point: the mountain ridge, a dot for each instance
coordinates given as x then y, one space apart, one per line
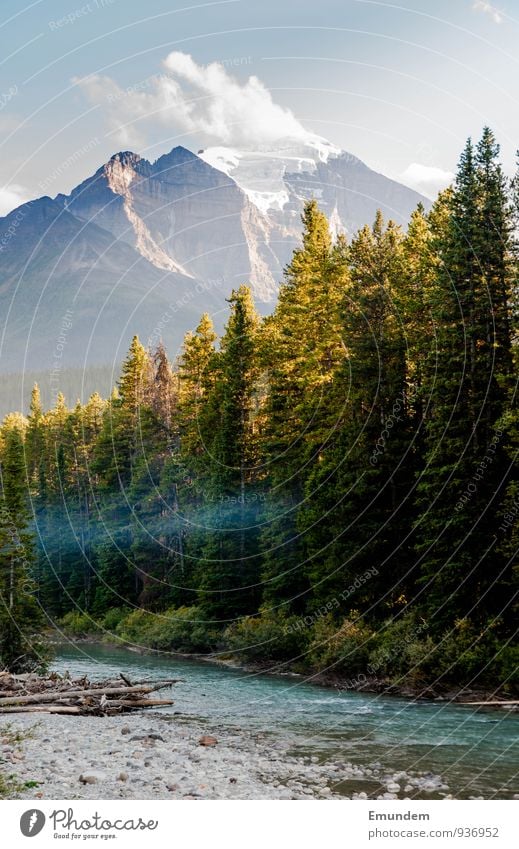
137 240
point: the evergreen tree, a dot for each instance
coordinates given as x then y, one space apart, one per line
356 504
301 349
465 472
34 437
229 569
121 453
21 620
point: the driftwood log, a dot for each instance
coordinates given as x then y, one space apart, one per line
62 695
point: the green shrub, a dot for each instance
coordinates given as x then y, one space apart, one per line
78 624
401 649
507 662
181 629
268 636
404 651
463 654
135 627
471 655
340 648
113 618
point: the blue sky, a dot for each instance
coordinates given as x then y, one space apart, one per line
400 86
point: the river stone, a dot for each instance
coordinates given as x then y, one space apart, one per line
123 776
393 787
207 740
92 777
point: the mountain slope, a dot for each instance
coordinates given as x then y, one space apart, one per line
146 247
72 294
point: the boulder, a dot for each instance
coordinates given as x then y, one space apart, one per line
92 777
207 740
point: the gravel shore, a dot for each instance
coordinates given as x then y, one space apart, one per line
150 755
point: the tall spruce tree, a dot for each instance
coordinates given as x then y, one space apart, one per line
120 449
21 620
229 570
301 349
355 506
468 375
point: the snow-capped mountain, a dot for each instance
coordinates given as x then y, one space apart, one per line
146 247
263 174
278 180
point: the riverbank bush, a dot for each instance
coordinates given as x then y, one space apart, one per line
401 650
473 656
272 635
77 624
177 629
113 618
405 652
341 649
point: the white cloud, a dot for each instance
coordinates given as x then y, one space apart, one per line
426 178
488 9
189 97
11 197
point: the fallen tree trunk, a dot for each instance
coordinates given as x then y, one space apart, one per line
139 702
38 698
62 695
42 709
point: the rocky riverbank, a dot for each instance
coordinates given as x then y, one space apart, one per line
157 756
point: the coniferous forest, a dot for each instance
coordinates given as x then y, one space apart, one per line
331 488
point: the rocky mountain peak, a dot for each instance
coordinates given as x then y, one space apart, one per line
127 158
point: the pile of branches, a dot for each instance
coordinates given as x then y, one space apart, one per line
55 693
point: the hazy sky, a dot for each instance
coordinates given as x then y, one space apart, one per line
400 86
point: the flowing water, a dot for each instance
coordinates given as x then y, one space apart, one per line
474 750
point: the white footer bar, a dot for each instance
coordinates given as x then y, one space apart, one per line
260 825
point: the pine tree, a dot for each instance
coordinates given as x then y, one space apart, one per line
229 568
185 471
34 438
353 518
21 620
163 389
134 382
196 379
462 483
120 456
302 347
